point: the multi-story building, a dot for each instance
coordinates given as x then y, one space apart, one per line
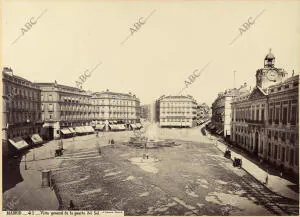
265 121
202 111
221 112
146 112
21 109
177 111
116 108
64 107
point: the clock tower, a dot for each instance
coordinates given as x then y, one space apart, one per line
269 75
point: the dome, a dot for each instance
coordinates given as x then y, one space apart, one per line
270 56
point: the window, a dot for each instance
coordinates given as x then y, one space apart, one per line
263 114
283 136
283 154
257 115
270 115
277 112
284 115
275 152
276 135
293 115
262 147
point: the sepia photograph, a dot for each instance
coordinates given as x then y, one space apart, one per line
150 108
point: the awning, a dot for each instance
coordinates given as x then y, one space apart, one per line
36 139
65 131
113 127
122 127
89 129
100 126
72 130
18 143
133 126
79 130
84 130
138 125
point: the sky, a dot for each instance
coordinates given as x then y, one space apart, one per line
178 38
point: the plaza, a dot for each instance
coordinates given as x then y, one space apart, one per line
190 178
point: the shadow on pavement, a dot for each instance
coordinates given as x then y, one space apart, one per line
11 175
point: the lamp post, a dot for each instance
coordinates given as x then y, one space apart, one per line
25 161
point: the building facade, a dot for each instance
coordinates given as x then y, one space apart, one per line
21 108
221 112
202 111
177 111
64 106
116 107
265 121
146 112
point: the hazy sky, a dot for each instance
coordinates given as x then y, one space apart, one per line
178 38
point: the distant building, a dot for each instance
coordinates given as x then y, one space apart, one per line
221 112
21 108
64 107
146 112
202 111
116 107
265 121
177 111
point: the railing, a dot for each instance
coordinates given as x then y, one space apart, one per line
255 121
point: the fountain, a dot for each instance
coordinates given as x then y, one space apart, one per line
147 138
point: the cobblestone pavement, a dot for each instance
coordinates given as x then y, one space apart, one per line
191 178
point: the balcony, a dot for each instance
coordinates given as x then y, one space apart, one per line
258 122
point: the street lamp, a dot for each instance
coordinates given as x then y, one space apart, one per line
25 162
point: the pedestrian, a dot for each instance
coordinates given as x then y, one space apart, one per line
99 149
71 205
267 179
112 141
147 157
281 173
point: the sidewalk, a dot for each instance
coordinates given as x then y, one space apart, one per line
28 194
275 183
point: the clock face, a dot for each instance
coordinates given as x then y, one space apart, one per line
272 75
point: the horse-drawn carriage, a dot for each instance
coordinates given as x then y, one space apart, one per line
237 162
227 154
